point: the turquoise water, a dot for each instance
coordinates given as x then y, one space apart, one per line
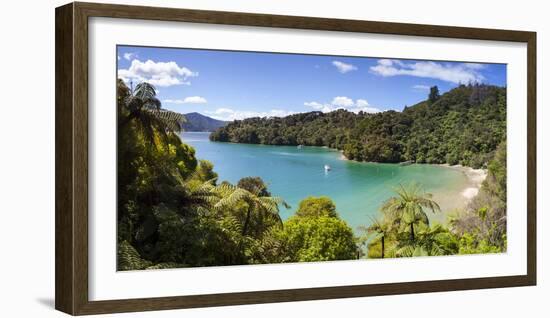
358 189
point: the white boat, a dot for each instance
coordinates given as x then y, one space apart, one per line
299 147
327 168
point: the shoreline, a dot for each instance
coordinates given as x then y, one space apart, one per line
453 192
475 176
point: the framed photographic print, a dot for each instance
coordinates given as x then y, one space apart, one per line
211 158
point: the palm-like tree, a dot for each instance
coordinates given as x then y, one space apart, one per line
408 207
143 106
426 243
264 206
198 196
379 230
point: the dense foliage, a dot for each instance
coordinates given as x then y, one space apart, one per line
173 211
463 126
482 227
317 206
316 238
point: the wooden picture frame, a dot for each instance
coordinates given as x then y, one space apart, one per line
71 122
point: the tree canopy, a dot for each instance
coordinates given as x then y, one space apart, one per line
319 238
463 126
317 206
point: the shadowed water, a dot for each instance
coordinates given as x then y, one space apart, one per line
358 189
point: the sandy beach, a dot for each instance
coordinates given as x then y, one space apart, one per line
475 177
451 201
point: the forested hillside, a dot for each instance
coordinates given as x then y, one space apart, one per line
463 126
199 122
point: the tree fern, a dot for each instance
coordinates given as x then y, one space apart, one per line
129 259
407 209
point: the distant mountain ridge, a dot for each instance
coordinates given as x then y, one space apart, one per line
198 122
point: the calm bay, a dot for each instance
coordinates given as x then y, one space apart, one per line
358 189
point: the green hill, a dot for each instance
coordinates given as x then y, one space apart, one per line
198 122
463 126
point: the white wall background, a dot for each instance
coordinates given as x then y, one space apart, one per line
27 158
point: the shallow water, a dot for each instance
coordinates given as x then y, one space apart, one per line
358 189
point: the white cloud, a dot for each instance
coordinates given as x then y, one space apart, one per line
370 110
475 66
187 100
455 73
157 73
314 105
325 108
362 103
343 67
229 114
221 111
343 102
130 55
422 87
195 100
385 62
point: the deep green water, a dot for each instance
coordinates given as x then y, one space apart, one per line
358 189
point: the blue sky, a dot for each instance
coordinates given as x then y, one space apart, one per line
232 85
